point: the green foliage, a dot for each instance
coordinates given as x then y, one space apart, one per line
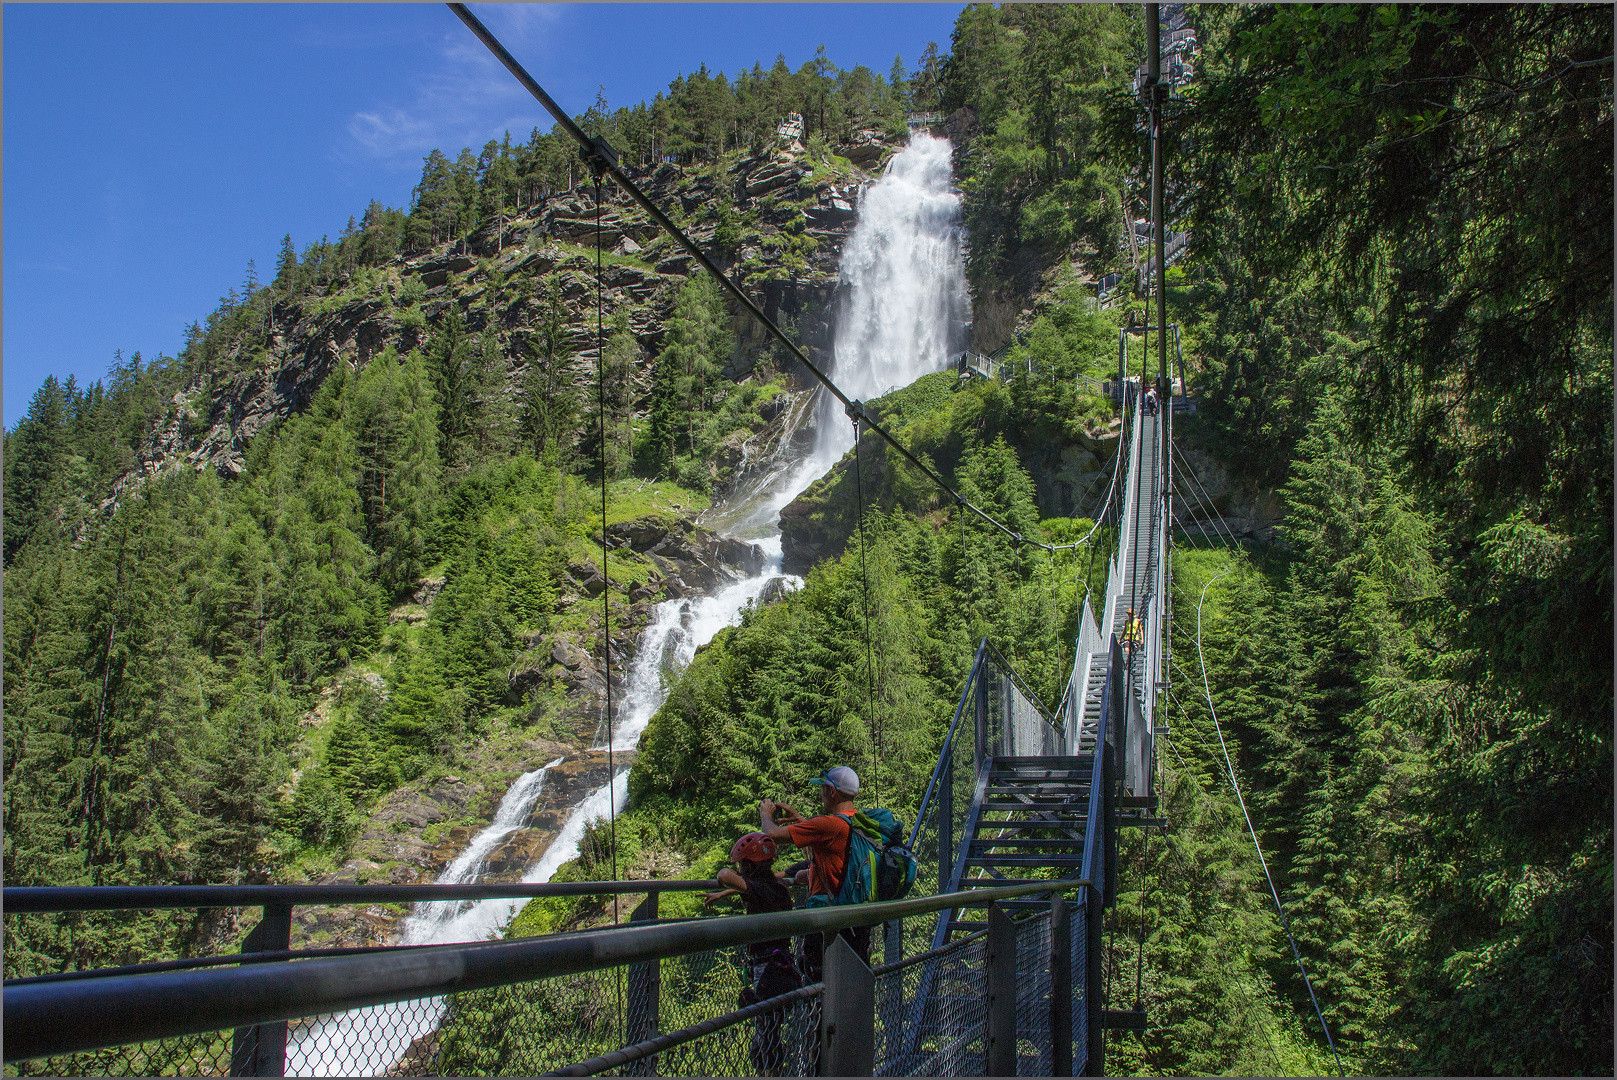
1413 256
1036 180
686 382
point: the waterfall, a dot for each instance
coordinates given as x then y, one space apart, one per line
905 308
903 314
435 923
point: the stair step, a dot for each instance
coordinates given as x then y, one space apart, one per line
1077 805
1062 761
1024 843
1037 784
1043 776
1036 798
986 861
1000 883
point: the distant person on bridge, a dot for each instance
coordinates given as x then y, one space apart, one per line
826 837
1151 402
1133 634
773 972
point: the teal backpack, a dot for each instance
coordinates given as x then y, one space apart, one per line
880 867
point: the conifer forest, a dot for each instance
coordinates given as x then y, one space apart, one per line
313 599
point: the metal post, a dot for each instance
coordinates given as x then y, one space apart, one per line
1179 355
945 813
642 1013
848 1017
1094 979
1060 988
999 1032
261 1050
1108 810
982 718
1122 364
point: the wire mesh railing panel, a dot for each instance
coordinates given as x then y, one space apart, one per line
937 833
939 1031
1034 1055
782 1041
1014 724
400 1038
1078 950
189 1055
699 986
903 1012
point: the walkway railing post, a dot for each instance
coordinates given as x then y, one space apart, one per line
261 1050
945 812
848 1016
642 1014
982 718
999 1032
1060 988
1094 979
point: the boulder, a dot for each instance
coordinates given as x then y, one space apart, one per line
641 534
569 656
774 589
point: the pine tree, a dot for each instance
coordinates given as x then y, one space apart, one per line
35 452
451 356
394 428
550 395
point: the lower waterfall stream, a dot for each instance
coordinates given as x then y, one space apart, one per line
902 315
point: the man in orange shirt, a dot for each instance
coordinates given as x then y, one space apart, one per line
826 837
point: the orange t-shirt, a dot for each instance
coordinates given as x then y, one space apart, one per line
826 837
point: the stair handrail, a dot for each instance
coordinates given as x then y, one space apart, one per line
945 752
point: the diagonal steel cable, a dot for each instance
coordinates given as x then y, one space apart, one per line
599 152
1235 784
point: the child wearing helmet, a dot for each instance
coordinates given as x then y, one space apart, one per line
773 972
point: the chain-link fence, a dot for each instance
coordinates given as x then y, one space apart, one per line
1034 1055
1078 951
191 1055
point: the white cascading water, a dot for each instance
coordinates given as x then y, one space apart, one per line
905 308
903 315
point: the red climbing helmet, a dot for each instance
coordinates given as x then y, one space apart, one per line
754 847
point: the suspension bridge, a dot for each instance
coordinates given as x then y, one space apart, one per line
994 966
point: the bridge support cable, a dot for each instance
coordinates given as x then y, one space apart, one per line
1185 463
1214 538
1235 784
601 154
864 585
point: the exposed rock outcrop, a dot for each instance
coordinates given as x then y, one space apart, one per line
209 422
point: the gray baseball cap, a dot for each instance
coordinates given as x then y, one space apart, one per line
840 777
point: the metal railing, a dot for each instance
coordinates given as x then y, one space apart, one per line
468 989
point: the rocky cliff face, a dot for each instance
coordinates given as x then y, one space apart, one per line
794 214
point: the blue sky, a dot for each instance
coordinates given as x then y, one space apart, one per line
151 150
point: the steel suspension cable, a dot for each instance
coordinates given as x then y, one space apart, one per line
606 582
1228 764
1198 482
1206 515
870 659
604 157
